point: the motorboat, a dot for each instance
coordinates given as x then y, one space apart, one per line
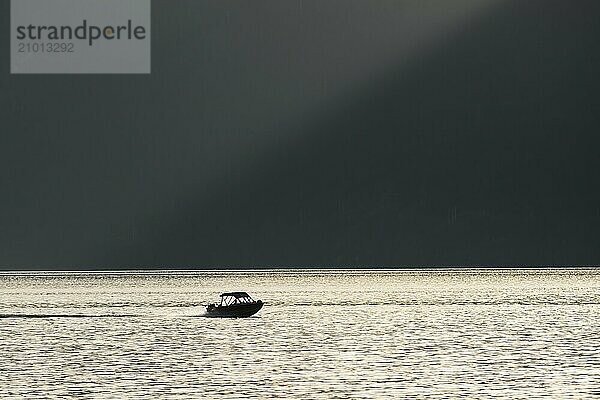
234 305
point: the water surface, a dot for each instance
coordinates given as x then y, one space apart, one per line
322 334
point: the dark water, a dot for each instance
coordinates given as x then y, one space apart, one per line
322 334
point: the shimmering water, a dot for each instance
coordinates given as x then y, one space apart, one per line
322 334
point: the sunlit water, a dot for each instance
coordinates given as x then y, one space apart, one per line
322 334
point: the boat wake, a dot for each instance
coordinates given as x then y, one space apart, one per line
7 316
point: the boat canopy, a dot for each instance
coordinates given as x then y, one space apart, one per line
237 295
231 298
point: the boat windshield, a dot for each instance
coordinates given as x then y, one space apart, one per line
228 299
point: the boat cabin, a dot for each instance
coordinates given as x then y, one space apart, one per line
229 299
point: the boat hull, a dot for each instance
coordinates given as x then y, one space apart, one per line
234 310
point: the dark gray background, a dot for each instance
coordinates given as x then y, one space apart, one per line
315 134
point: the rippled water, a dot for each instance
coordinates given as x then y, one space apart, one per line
322 334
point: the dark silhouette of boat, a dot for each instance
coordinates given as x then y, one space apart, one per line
234 305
